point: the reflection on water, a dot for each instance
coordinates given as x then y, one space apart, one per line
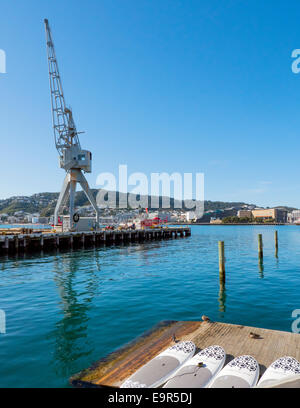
76 298
222 299
70 332
261 267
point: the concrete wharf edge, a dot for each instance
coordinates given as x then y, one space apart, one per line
113 369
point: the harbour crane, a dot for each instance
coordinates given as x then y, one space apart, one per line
72 158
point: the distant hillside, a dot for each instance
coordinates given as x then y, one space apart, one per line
44 203
222 205
284 207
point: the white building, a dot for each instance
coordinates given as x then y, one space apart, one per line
244 213
293 217
191 216
12 219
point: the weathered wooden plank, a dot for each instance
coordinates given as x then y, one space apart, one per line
117 366
235 339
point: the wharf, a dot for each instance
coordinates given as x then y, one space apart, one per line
113 369
15 243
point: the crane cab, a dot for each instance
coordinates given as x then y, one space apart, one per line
75 158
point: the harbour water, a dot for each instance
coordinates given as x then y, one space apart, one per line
34 226
65 310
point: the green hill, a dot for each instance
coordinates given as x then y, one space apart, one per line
44 203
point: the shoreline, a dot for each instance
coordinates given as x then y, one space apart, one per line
235 224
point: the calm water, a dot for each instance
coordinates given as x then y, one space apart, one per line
66 310
34 226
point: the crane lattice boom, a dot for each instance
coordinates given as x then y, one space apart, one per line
65 132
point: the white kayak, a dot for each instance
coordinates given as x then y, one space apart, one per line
284 368
158 370
241 372
198 371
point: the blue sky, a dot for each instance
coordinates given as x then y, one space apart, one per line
160 85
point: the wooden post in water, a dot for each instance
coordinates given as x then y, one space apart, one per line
17 243
221 262
260 246
6 244
56 241
41 242
222 298
276 243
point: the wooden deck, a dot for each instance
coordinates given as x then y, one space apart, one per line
119 365
41 241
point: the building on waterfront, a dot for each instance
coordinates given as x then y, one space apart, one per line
244 214
43 220
38 220
214 220
191 216
12 220
294 217
276 214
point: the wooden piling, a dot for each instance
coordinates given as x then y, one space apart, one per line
276 243
260 246
222 298
16 243
221 262
261 267
6 244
